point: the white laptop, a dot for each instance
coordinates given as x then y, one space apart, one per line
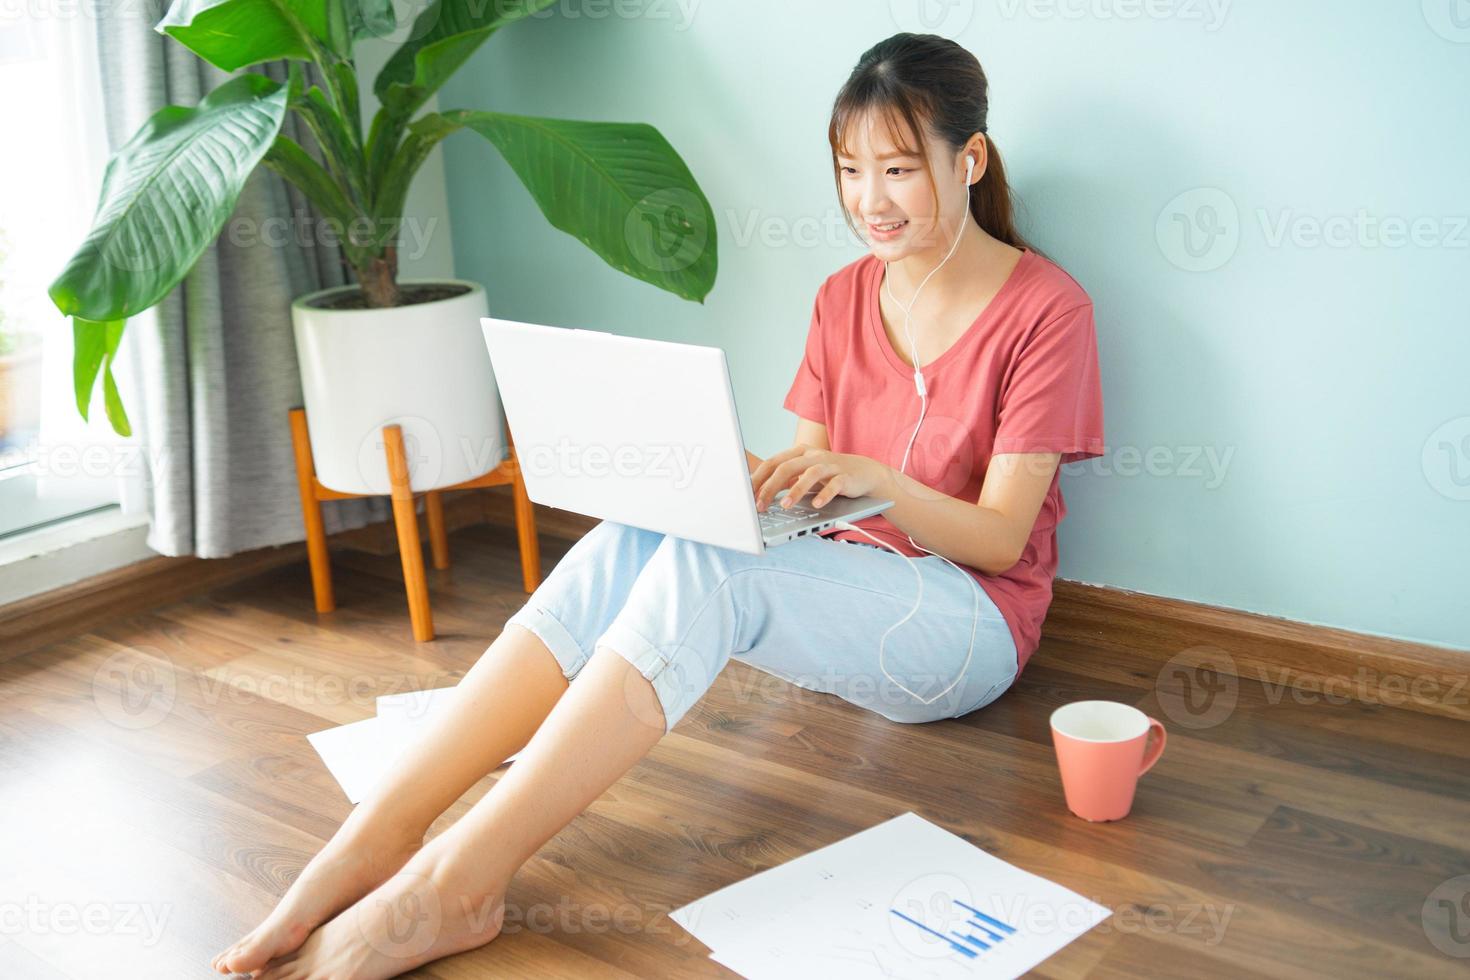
641 432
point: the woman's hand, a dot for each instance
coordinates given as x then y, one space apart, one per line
802 467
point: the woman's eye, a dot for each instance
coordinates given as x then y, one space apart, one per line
901 170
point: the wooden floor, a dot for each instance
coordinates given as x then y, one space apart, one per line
1288 839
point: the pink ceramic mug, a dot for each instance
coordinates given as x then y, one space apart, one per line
1100 751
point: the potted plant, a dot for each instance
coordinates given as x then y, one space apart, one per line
380 350
20 383
20 370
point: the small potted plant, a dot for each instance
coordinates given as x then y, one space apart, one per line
20 383
20 369
380 350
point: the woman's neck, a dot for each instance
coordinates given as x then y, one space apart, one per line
977 252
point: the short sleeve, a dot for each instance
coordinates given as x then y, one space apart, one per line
1052 402
805 397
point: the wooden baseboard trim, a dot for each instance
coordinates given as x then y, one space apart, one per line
31 623
38 620
1278 652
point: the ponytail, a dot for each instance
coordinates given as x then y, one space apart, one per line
990 201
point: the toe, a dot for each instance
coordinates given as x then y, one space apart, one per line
223 957
249 955
258 950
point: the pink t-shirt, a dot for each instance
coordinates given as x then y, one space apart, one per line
1023 379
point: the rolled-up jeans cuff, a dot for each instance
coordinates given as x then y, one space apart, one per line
569 655
668 685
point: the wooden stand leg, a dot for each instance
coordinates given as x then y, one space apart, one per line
405 521
526 534
409 547
438 536
311 513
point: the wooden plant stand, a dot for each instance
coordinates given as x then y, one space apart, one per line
405 520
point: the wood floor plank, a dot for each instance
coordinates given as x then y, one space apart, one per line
1322 861
1290 836
1192 898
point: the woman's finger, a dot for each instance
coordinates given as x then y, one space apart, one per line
780 477
829 491
809 477
763 472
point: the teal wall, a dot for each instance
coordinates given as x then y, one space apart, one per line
1288 416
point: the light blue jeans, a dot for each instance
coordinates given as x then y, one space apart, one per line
810 612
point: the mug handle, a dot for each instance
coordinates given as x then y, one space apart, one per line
1151 757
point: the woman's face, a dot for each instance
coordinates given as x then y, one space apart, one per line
882 186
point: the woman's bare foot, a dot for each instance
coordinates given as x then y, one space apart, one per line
353 863
428 910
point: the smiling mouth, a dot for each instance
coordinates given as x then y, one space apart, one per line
891 226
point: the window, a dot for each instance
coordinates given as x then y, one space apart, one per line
53 465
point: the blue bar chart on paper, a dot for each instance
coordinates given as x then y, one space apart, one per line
964 941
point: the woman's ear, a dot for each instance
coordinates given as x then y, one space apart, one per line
978 147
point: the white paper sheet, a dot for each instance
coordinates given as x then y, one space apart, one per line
358 754
354 755
903 899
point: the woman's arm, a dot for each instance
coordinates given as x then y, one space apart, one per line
807 433
989 535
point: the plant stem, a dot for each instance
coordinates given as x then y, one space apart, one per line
379 279
379 276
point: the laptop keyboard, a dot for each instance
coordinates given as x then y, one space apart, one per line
776 517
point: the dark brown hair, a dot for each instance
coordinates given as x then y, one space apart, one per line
933 85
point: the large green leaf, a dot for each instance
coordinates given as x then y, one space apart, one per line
165 196
94 346
619 188
442 38
232 34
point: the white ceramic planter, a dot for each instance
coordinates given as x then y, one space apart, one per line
424 367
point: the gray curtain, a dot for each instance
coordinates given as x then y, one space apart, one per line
216 368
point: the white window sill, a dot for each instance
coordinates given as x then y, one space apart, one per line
51 557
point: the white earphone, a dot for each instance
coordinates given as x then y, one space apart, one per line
923 407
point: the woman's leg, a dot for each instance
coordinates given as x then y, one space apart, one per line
499 704
450 896
689 608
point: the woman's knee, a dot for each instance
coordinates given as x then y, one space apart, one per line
533 630
531 656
